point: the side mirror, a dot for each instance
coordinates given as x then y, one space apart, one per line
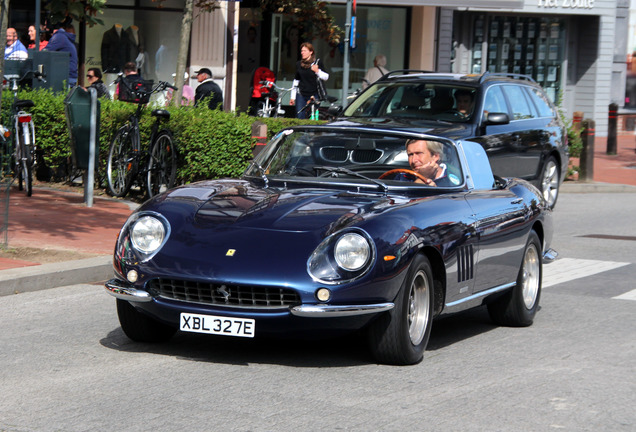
496 119
335 110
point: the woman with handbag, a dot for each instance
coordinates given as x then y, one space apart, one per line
309 80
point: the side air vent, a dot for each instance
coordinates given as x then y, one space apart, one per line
465 263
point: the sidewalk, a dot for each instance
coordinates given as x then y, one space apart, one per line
55 220
59 223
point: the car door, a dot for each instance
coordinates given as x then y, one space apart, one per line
500 223
526 132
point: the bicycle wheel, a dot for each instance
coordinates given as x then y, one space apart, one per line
162 164
27 172
121 161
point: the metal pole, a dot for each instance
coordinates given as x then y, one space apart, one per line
90 178
37 25
345 68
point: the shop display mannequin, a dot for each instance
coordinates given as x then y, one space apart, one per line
115 49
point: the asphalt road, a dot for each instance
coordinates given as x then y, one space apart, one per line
66 365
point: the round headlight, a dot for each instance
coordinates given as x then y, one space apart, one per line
147 234
352 251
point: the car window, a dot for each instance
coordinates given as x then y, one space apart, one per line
521 110
495 101
541 102
421 100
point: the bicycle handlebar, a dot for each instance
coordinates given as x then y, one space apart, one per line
39 75
160 86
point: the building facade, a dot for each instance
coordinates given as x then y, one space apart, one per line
577 49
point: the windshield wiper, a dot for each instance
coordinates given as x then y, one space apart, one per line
347 171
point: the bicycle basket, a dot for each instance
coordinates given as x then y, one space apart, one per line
139 91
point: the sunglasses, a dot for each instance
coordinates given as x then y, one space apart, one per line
90 76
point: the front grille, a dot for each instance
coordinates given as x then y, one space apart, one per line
224 295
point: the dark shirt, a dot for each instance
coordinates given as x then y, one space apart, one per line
307 85
209 88
100 87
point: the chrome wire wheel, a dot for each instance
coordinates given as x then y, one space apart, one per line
418 307
531 278
550 182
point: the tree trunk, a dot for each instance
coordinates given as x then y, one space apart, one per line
184 44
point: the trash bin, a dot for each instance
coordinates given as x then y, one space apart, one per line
77 106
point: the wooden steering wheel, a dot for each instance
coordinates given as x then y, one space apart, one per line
406 171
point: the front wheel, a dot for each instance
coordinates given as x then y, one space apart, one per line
519 305
401 335
121 163
140 327
162 164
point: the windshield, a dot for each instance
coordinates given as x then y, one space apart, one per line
428 101
366 157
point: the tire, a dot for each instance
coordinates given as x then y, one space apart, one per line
162 164
27 172
140 327
549 185
401 335
121 163
519 305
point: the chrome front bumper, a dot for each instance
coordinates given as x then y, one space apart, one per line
121 290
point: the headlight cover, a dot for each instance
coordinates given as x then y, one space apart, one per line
342 257
146 233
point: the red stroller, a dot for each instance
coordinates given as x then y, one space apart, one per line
264 95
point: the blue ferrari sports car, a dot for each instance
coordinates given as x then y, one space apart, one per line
336 229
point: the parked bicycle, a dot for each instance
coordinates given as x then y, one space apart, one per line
315 111
156 166
271 103
23 134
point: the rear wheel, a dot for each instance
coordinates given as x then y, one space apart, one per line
162 164
27 172
518 306
140 327
550 181
121 159
400 335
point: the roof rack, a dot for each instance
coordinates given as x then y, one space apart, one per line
405 72
489 75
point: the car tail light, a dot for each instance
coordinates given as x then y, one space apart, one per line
24 118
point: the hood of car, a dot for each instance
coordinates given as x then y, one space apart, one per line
228 204
438 128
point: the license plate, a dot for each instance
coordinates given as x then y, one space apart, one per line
218 325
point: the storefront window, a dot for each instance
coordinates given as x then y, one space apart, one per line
520 45
379 30
147 37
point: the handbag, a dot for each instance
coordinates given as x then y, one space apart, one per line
320 86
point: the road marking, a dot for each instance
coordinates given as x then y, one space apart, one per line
567 269
630 295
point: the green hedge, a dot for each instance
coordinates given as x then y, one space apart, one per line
211 143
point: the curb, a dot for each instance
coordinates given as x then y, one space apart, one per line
52 275
595 187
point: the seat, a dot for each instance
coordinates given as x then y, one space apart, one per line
412 102
442 102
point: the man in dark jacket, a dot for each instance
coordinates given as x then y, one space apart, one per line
64 41
208 88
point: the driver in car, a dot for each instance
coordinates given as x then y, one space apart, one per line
464 102
424 159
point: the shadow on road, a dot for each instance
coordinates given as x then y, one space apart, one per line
350 350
